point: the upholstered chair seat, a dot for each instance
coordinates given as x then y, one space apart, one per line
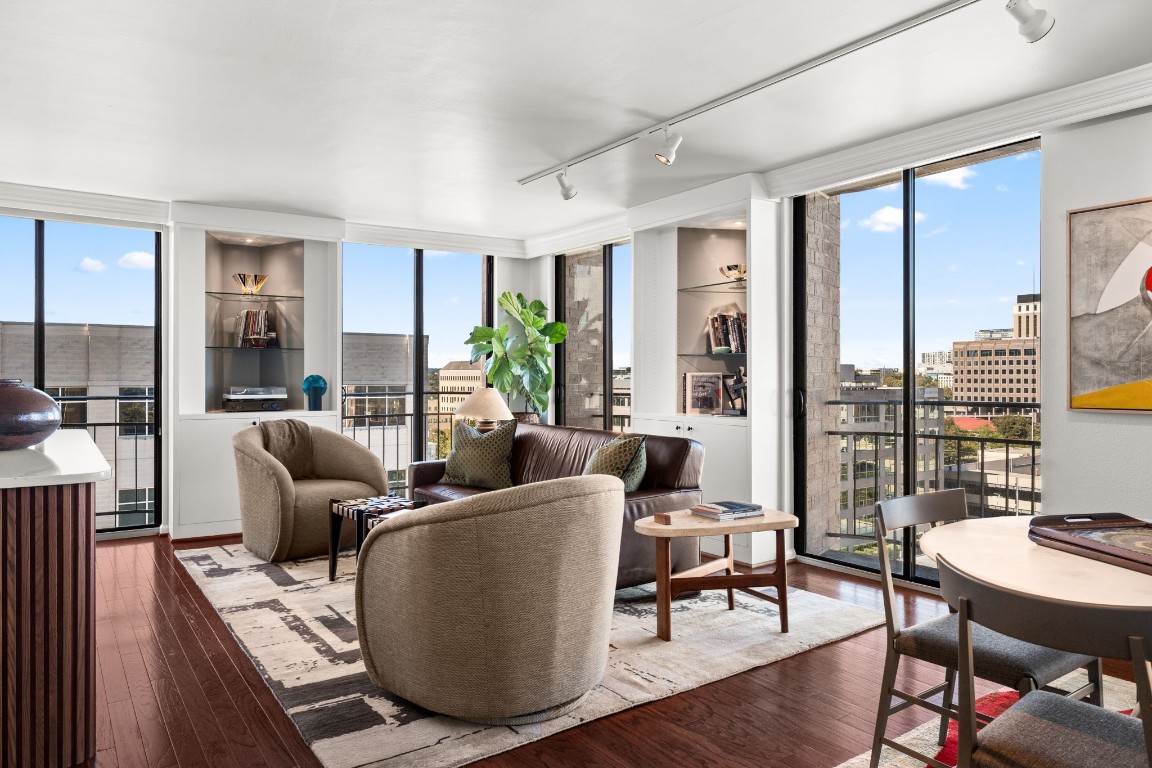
285 517
496 608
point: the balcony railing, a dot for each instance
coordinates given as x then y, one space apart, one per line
1000 474
383 423
123 428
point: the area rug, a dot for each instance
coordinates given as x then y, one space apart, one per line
300 631
1119 695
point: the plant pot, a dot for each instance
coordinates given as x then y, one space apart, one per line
27 415
526 417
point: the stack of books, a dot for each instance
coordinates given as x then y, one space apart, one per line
728 510
728 333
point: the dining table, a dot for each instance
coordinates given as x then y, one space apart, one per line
997 550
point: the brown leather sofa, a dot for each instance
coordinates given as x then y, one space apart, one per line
542 452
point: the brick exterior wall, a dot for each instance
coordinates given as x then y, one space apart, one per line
822 316
583 350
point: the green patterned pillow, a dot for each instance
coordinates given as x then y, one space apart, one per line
481 459
624 458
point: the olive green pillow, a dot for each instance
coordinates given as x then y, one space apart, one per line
481 459
623 457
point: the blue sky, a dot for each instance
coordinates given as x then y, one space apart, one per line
93 274
452 301
977 247
99 274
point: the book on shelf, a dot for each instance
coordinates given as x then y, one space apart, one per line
702 392
728 510
728 333
255 329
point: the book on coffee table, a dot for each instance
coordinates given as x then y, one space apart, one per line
728 510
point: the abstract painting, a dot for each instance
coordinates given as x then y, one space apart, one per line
1110 307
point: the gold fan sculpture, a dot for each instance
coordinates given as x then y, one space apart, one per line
734 271
250 284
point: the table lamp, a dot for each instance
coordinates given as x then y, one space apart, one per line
486 406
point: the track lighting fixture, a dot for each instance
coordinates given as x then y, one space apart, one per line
1034 23
667 155
567 191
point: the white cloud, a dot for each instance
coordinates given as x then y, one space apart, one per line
137 260
887 219
953 267
1026 155
957 178
88 264
937 231
845 223
1001 187
952 301
1021 263
1004 299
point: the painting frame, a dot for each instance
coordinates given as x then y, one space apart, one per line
1110 307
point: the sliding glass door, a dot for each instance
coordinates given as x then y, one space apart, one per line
79 318
917 329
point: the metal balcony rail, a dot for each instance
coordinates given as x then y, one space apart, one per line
1000 474
124 429
382 422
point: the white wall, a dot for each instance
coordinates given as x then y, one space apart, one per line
1093 462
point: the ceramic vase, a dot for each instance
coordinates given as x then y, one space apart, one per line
27 415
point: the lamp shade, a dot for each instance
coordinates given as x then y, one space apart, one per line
484 404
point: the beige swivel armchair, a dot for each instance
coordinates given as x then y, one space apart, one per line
284 518
497 608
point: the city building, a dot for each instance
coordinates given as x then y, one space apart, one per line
938 357
992 334
105 374
1026 316
1000 370
458 379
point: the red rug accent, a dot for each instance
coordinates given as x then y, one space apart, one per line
992 704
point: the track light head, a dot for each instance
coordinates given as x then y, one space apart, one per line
1034 23
567 191
667 154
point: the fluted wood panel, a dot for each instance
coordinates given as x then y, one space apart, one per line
48 640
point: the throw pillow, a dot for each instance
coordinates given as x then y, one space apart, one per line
623 457
481 459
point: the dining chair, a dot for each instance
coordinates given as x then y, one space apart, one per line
999 659
1042 728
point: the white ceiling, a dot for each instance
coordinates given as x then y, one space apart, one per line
424 114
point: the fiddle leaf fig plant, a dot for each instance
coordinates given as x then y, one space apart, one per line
518 355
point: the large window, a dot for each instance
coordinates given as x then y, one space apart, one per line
407 313
594 364
86 333
928 283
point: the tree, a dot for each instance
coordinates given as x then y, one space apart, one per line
956 450
897 380
1016 427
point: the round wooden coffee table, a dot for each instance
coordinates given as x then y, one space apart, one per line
684 523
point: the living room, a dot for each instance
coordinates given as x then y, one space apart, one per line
392 173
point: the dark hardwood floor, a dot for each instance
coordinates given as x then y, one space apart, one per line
174 689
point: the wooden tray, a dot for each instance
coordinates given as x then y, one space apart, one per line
1110 538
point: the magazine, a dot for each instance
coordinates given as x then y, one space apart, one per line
728 510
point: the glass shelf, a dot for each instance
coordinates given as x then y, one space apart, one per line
231 296
728 286
712 354
256 349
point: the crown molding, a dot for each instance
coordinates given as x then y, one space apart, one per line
1109 95
262 222
375 234
82 204
587 235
